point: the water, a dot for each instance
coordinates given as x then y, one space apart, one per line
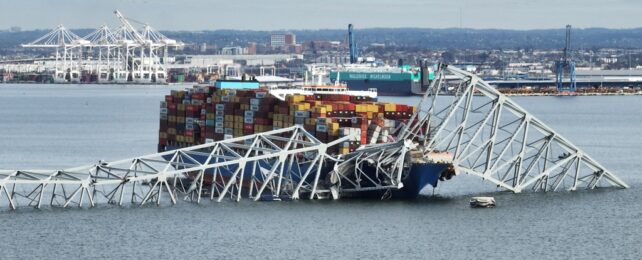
45 127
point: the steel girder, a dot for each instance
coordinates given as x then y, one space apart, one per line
372 167
285 163
492 137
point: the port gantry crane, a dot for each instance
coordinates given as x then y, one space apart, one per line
566 65
68 47
125 54
489 136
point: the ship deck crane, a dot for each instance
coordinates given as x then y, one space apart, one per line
566 65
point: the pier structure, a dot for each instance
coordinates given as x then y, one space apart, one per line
488 135
127 54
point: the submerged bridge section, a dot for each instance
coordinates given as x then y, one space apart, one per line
487 134
492 137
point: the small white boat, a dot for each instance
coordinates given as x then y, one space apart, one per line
482 202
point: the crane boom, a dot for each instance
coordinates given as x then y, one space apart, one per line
129 27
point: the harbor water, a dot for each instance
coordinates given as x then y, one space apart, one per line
61 126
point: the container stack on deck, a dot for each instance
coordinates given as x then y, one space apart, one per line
205 114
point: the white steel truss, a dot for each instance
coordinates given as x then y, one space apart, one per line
280 164
495 139
372 167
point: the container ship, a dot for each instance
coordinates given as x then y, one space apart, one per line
388 81
228 109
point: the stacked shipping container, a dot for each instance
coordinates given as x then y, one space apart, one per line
206 114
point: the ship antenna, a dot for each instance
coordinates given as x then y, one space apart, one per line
336 82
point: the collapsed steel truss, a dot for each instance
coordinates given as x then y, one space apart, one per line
493 138
285 163
488 135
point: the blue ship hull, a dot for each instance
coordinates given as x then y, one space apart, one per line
419 177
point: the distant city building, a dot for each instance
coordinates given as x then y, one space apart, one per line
279 40
290 39
251 48
236 50
203 47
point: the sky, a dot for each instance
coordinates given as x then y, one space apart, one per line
323 14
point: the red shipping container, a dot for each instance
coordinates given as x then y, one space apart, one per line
248 127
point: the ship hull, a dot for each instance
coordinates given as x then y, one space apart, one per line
419 177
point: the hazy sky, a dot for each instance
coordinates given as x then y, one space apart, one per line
315 14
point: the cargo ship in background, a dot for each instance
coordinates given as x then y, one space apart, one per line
387 80
234 108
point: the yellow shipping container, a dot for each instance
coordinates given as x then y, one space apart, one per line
389 107
180 107
229 124
334 126
229 118
310 121
180 138
171 131
162 135
171 119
